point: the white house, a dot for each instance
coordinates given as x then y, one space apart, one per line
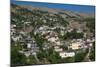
58 43
58 49
16 38
75 46
67 54
90 45
27 22
52 39
29 45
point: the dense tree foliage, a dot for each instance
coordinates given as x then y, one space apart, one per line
73 35
79 57
92 53
90 24
16 57
68 60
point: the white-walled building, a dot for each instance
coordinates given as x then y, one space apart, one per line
29 45
58 49
75 46
67 54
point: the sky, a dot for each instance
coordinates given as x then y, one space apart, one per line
72 7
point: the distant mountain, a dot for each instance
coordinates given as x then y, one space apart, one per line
68 13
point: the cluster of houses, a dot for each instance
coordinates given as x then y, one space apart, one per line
52 37
31 46
75 44
51 26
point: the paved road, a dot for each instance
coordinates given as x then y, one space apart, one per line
36 57
87 56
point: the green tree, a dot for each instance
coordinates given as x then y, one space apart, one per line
90 24
68 60
79 57
92 53
17 58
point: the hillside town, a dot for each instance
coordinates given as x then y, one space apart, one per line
45 36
